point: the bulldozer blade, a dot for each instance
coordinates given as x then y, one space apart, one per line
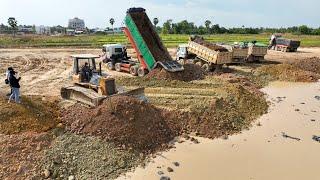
82 95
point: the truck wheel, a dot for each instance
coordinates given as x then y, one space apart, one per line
217 68
199 63
134 70
141 72
110 66
118 67
206 67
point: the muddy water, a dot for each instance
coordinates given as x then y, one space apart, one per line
260 153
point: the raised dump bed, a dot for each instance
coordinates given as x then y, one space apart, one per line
213 54
148 42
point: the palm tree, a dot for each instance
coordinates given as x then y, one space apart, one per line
207 23
14 24
155 21
111 22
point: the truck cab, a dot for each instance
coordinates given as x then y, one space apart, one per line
182 52
114 50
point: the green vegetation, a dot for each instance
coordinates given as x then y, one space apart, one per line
170 40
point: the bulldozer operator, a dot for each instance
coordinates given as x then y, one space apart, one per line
86 72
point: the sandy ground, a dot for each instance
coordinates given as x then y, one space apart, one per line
261 153
45 71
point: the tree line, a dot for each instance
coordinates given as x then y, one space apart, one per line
185 27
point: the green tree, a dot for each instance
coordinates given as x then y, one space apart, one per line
208 23
13 23
112 22
304 29
166 29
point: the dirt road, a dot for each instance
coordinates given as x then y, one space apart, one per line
263 152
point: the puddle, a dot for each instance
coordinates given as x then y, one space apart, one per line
260 153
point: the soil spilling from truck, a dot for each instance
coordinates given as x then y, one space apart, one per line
191 72
125 121
32 115
150 36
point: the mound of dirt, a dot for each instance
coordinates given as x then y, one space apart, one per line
20 152
229 115
125 121
191 72
86 158
287 72
32 115
308 64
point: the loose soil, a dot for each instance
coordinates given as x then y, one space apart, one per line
308 64
19 154
86 158
287 72
191 72
210 45
125 121
32 115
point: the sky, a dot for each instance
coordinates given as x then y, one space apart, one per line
227 13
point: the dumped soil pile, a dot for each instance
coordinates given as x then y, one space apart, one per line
125 121
150 37
191 72
210 45
308 64
87 158
229 115
20 152
32 115
287 72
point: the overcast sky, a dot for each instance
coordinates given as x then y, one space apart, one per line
228 13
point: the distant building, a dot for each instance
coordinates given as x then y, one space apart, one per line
43 30
77 24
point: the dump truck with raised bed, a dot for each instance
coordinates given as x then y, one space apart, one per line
281 44
150 50
90 85
205 54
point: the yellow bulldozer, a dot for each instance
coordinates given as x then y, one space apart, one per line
90 85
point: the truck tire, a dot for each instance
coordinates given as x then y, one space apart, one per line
134 70
141 72
118 67
199 63
217 68
206 67
110 66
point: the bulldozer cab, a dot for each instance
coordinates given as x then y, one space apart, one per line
84 67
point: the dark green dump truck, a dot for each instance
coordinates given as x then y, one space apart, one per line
146 41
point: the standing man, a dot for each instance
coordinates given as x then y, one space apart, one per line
7 79
15 86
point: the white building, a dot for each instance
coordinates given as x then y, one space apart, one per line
43 30
76 24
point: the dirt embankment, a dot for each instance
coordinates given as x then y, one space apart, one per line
32 115
305 70
125 121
